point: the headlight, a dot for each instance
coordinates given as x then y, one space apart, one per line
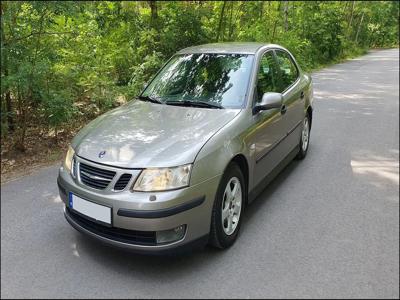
163 179
68 159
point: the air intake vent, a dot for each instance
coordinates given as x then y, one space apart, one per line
114 233
122 182
95 177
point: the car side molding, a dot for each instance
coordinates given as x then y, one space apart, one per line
161 213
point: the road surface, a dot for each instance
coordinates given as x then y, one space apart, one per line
326 227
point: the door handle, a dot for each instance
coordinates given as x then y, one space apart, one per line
283 109
302 95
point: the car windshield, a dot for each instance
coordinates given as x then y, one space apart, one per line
203 79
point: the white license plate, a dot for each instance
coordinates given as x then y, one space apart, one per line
95 211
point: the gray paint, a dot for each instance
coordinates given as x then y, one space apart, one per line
143 135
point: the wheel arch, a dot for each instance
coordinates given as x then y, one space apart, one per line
310 114
243 164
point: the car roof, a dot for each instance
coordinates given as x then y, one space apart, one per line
234 47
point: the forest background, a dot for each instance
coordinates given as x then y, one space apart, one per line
63 63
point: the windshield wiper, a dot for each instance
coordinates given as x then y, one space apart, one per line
195 104
150 99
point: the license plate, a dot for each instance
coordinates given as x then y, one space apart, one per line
95 211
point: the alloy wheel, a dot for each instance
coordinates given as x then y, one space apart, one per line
231 206
305 135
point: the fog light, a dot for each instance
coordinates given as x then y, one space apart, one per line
172 235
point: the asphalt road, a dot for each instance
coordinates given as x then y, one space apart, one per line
326 227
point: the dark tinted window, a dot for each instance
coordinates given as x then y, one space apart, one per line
267 77
205 77
288 70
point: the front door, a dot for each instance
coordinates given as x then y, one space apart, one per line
268 129
289 85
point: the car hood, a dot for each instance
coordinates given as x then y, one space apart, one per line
143 134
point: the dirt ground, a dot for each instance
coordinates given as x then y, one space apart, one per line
42 149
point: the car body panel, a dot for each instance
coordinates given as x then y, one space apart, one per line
143 134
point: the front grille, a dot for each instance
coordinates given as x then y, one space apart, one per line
122 182
95 177
147 238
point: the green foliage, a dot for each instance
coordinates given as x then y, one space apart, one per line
57 108
64 60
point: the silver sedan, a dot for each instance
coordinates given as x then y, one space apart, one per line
176 167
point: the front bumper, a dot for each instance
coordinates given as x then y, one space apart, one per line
135 218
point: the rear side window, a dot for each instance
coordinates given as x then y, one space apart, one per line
267 77
289 72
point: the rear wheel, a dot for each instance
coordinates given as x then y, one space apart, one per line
228 208
304 139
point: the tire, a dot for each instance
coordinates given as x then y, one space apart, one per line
224 233
304 138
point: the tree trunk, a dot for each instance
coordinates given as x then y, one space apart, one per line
25 105
221 17
154 15
268 18
286 12
273 32
4 67
10 119
261 10
21 143
352 13
344 10
230 21
359 26
275 24
235 17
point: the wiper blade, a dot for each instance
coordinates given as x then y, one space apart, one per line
195 104
150 99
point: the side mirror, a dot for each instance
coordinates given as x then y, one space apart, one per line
269 101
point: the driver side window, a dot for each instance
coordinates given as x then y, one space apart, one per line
267 76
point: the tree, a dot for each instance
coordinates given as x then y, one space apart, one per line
64 63
221 18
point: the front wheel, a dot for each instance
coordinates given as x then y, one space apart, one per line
304 139
228 208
